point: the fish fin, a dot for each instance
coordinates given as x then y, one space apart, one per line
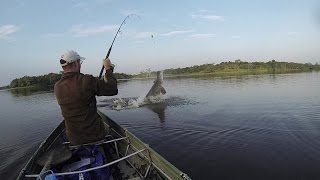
163 91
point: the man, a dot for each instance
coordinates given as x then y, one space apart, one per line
75 93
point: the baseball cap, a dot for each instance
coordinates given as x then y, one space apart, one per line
70 56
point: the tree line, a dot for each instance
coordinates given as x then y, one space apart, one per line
47 80
4 87
250 67
44 80
236 66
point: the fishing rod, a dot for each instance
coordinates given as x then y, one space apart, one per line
109 51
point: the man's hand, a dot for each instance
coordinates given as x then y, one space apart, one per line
106 63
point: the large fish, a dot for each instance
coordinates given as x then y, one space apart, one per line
153 96
157 88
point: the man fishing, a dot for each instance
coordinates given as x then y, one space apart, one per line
75 93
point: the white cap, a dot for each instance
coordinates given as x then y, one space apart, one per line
70 56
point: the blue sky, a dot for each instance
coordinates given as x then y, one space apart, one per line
34 34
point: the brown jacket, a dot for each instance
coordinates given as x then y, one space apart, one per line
75 93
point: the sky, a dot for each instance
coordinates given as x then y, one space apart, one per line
161 35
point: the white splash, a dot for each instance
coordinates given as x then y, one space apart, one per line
154 99
120 104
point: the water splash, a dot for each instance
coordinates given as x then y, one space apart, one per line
137 102
132 103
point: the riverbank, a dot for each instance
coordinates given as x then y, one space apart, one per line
220 74
26 87
229 68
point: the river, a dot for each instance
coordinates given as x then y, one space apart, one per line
237 127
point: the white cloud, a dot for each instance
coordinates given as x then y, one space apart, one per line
292 33
81 31
208 35
209 17
176 33
142 35
6 30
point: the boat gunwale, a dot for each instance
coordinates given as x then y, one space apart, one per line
175 170
44 145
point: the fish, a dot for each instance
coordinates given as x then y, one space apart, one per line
153 96
157 88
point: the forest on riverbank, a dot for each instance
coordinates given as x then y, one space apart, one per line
47 80
231 67
238 67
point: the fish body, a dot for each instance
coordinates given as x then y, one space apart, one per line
157 88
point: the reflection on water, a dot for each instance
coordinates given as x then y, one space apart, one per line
159 109
27 91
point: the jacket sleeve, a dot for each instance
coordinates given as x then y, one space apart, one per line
106 86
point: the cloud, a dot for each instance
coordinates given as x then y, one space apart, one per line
292 33
142 35
81 31
149 34
208 35
209 17
176 33
6 30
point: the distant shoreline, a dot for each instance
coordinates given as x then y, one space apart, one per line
218 74
230 68
212 74
25 87
20 87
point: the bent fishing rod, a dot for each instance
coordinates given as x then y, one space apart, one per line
109 51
